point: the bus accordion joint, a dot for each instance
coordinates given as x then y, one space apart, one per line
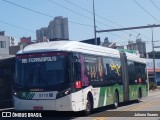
78 84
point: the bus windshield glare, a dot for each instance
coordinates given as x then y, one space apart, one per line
40 71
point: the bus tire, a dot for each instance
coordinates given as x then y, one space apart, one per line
139 96
116 100
89 105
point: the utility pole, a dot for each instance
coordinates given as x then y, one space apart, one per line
154 70
95 36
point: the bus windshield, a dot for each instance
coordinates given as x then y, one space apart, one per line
40 71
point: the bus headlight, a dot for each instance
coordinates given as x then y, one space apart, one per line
63 93
15 93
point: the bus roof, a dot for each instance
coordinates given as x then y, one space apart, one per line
75 46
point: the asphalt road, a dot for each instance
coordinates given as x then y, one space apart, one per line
147 107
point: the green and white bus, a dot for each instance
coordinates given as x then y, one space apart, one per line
75 76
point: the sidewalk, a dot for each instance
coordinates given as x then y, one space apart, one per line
154 90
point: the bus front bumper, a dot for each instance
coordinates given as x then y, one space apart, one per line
61 104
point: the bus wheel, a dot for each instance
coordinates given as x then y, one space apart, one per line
88 109
116 100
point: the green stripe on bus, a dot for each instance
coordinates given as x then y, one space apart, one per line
102 96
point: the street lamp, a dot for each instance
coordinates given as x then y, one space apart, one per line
154 70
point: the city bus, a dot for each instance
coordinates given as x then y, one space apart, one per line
75 76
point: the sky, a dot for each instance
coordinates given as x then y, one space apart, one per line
19 22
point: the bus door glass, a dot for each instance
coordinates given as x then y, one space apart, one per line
77 72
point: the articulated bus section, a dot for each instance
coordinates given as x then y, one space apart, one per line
74 76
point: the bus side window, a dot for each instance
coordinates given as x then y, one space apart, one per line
108 70
77 68
1 82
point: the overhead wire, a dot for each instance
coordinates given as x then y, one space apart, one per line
104 18
47 15
145 10
155 5
53 2
92 13
65 8
81 15
18 27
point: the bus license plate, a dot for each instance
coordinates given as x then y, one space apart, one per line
37 108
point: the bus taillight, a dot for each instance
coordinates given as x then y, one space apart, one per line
78 84
140 80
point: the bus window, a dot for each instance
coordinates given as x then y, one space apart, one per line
112 70
141 71
77 68
144 72
1 82
131 72
138 70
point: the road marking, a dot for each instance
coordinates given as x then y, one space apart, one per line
99 118
142 105
130 109
6 109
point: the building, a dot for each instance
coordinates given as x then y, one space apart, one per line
56 30
2 33
139 45
26 40
14 49
4 44
42 34
106 43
